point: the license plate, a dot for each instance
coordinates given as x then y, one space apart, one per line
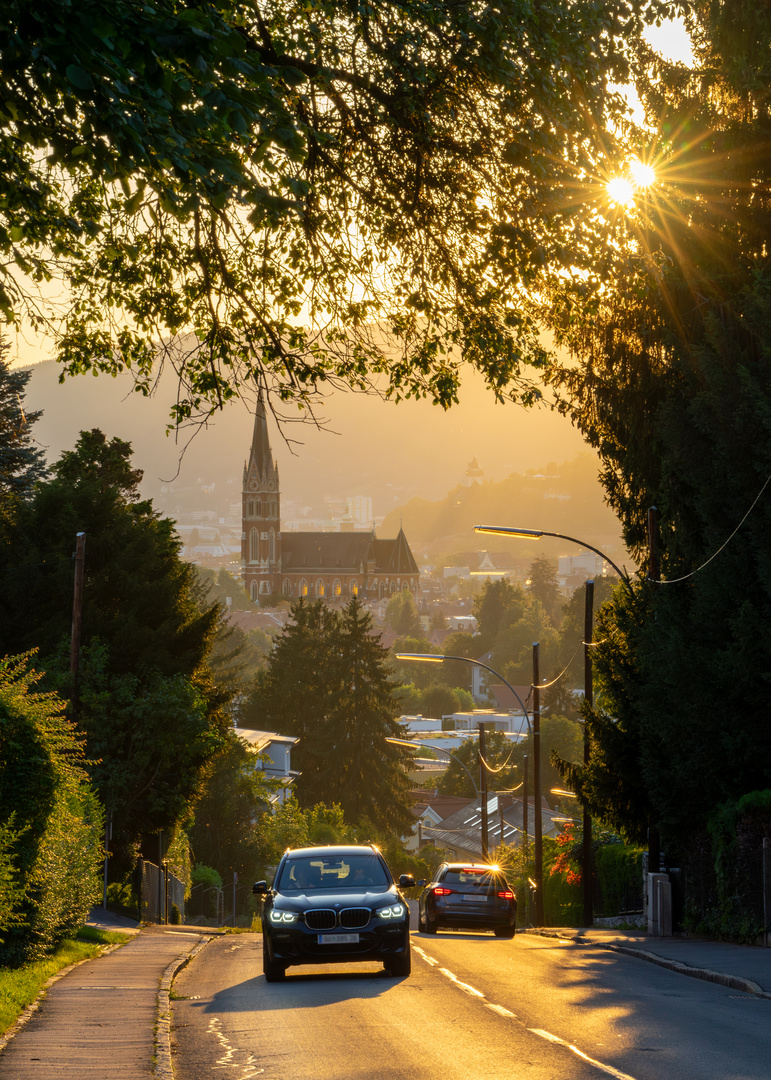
338 939
474 899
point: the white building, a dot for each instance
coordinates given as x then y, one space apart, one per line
276 751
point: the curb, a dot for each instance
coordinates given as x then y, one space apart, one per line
733 982
163 1069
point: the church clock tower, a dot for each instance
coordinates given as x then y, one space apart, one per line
260 515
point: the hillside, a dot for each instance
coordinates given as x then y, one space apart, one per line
565 498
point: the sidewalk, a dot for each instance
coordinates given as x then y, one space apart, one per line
99 1022
741 967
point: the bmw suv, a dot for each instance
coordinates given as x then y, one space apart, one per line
332 905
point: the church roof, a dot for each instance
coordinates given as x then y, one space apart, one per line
395 556
260 454
349 552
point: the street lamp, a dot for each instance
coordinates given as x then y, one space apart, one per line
588 899
536 534
534 730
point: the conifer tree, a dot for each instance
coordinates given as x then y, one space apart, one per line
21 461
328 682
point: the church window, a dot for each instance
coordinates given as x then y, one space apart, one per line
258 508
250 507
272 545
336 587
393 586
264 587
354 588
286 588
253 589
319 586
303 590
254 545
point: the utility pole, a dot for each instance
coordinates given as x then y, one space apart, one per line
588 869
538 822
483 788
654 844
525 844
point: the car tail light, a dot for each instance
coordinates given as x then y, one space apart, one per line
508 895
439 891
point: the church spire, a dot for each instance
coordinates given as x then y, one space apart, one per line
260 454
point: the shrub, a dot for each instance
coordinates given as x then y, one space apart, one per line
56 815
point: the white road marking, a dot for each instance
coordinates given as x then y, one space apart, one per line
579 1053
463 986
227 1060
429 959
508 1015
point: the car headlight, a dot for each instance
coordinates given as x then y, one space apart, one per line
276 916
394 911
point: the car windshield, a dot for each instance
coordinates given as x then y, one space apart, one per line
333 872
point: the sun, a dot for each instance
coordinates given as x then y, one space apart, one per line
622 189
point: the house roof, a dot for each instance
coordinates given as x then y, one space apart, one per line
463 829
258 740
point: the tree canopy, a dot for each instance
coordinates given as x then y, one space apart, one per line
278 180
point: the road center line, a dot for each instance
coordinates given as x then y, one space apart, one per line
508 1015
579 1053
463 986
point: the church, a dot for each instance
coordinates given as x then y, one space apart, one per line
318 565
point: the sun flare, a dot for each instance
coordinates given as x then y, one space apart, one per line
643 175
621 191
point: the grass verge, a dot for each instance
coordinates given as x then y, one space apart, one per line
20 986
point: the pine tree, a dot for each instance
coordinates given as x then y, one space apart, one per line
21 462
328 683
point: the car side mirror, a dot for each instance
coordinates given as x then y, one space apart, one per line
406 881
421 883
260 887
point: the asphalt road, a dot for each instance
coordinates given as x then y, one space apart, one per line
474 1006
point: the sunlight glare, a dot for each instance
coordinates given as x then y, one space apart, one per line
621 191
642 174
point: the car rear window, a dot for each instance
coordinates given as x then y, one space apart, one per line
351 871
472 877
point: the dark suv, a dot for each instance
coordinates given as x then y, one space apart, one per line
469 896
332 905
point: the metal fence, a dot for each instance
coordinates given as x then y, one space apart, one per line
159 892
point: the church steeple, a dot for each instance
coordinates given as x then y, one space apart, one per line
261 514
260 461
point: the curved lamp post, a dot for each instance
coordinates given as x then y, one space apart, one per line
496 530
536 534
534 730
